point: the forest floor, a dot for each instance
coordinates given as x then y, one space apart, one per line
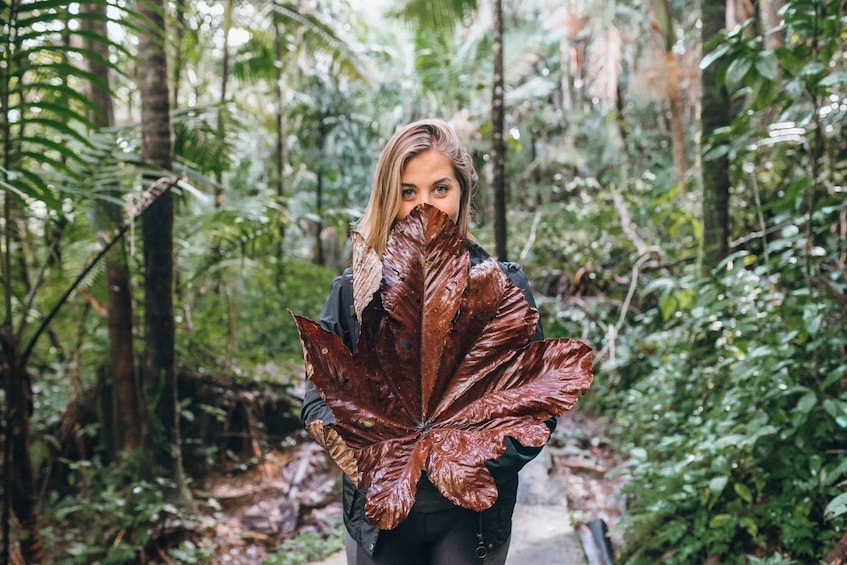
293 494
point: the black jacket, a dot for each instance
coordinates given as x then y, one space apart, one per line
496 523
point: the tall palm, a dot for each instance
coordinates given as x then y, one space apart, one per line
498 147
444 15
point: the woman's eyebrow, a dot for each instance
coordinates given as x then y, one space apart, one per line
439 181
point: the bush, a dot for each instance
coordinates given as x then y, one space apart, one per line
735 420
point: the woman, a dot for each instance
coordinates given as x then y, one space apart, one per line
424 162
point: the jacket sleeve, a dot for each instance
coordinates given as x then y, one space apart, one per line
333 319
505 467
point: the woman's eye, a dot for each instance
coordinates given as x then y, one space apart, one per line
441 189
407 193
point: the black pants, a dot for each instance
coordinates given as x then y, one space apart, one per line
448 537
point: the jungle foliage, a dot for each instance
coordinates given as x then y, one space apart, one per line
724 382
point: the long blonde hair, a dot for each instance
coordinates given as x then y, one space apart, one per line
408 142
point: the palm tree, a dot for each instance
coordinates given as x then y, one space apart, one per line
498 147
444 15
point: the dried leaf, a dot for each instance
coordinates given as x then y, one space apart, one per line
443 372
338 450
367 273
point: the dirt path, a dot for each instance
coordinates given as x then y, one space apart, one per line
296 491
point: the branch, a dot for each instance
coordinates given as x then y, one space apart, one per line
532 233
839 553
633 284
150 196
626 222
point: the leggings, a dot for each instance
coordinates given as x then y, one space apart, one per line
448 537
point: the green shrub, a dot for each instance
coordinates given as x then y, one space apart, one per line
735 420
242 319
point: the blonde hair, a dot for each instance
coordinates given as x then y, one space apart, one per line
408 142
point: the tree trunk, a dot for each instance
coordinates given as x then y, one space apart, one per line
677 125
222 113
664 19
178 59
498 147
318 257
769 21
120 320
715 113
157 233
279 181
17 460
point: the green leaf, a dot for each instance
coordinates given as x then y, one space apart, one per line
668 306
767 64
815 462
737 70
807 402
834 376
750 525
835 78
714 490
716 152
836 507
720 520
743 492
812 68
812 318
713 56
837 409
837 473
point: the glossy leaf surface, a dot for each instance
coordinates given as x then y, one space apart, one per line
444 371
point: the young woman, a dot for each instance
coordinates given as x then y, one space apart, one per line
424 162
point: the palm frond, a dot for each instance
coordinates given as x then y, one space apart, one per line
197 139
323 36
47 146
435 15
313 33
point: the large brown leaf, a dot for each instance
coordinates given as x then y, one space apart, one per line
443 372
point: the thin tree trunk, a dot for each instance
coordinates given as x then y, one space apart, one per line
498 146
120 318
279 181
222 114
715 113
318 258
157 234
178 59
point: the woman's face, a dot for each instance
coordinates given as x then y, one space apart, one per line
428 178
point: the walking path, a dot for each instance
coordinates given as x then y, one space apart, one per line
542 533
